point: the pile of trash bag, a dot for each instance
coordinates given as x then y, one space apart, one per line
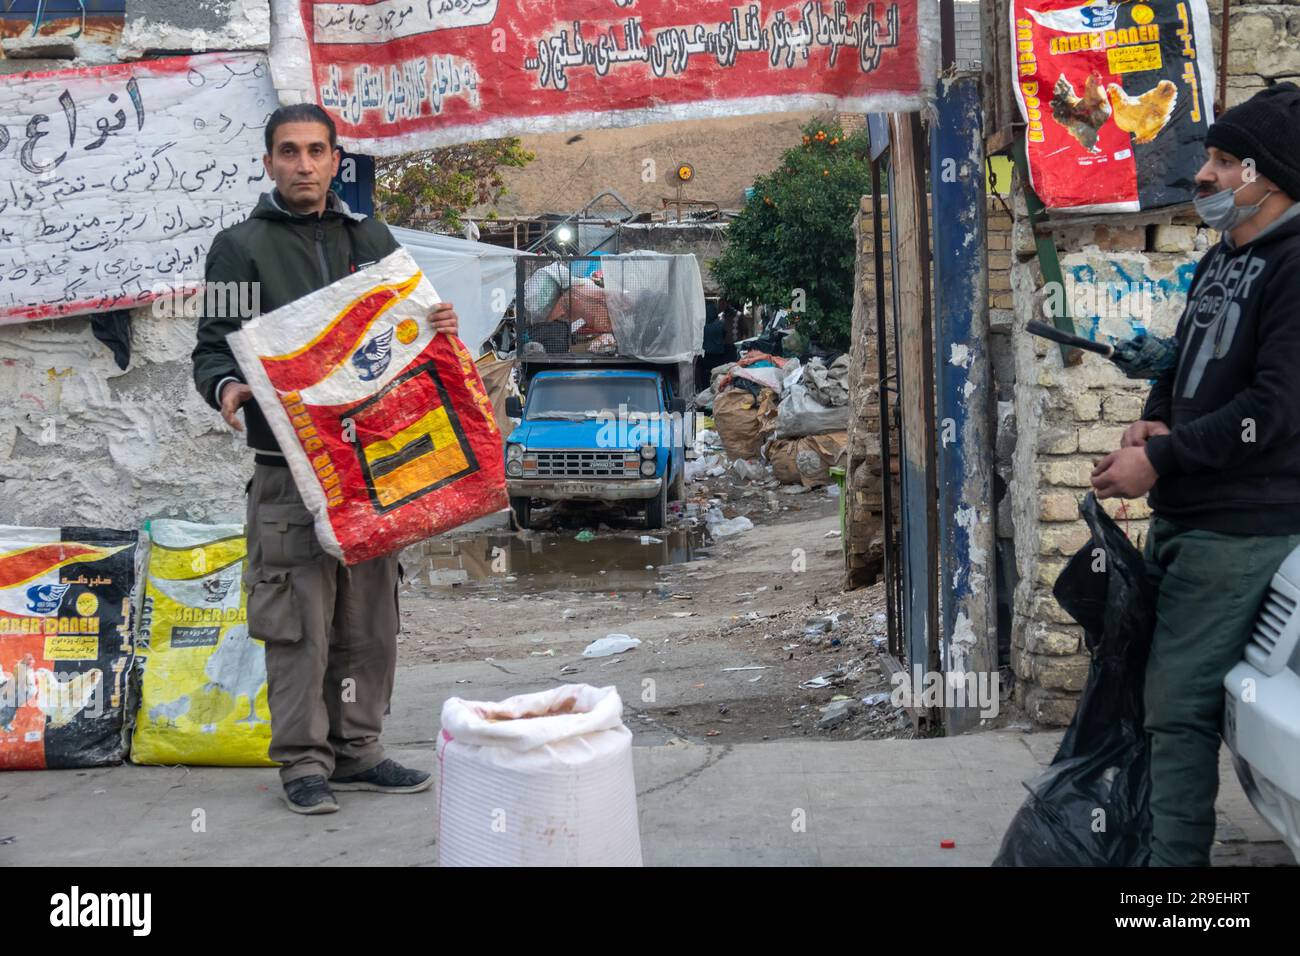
792 416
1091 806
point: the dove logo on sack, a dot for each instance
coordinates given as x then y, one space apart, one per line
46 598
1092 16
215 589
372 359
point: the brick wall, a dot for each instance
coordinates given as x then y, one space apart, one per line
866 491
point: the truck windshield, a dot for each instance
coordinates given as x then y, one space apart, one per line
590 396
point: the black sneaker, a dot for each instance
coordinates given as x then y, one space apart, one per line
388 776
310 795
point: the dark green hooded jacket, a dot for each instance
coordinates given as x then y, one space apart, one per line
288 256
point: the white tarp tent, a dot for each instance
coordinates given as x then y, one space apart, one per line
476 277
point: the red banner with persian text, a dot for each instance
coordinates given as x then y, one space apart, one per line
401 75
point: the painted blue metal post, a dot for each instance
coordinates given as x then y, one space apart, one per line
964 419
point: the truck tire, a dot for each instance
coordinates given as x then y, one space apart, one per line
520 513
656 509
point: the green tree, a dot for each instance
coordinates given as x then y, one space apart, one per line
792 245
441 185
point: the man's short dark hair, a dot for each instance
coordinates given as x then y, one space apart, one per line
299 113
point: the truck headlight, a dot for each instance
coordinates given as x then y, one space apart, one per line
648 468
647 451
514 468
514 452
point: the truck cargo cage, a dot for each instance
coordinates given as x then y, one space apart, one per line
645 306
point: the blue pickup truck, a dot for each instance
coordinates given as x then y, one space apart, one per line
606 351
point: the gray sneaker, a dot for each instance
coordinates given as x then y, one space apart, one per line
388 776
310 795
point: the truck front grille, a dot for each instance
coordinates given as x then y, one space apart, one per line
579 464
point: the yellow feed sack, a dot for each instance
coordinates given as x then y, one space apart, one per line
203 690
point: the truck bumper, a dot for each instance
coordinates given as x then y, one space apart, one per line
577 489
1263 734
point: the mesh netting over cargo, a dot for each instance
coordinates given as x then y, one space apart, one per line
642 305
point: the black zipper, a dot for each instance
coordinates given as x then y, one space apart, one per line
320 254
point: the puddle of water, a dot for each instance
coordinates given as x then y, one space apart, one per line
544 561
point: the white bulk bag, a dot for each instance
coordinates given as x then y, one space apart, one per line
539 779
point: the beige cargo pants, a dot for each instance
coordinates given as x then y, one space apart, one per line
330 633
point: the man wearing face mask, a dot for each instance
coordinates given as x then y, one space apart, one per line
1218 447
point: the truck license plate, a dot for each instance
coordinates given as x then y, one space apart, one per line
583 488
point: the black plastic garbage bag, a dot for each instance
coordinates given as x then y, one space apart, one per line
1091 806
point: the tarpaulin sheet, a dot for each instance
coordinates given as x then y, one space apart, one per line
651 303
398 76
386 426
476 277
1117 98
65 645
203 678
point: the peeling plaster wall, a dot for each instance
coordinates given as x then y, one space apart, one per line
194 26
83 442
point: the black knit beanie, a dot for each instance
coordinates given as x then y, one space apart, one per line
1265 128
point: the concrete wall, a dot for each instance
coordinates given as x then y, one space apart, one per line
82 441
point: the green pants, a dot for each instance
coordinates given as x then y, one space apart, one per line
1210 587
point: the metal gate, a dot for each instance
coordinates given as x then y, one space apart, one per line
936 405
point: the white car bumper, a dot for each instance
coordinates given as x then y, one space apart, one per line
1262 729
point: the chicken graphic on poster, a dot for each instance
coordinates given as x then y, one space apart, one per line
1147 114
1131 87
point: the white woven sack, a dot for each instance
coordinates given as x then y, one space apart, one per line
539 779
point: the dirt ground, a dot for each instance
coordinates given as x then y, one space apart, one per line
732 629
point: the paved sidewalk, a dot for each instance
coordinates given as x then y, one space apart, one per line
865 803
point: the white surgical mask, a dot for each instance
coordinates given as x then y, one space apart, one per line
1220 211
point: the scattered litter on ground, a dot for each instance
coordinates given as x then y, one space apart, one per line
611 644
584 535
721 527
751 667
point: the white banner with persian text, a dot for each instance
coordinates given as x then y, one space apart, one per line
115 179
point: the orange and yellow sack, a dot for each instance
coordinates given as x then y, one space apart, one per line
203 686
386 425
